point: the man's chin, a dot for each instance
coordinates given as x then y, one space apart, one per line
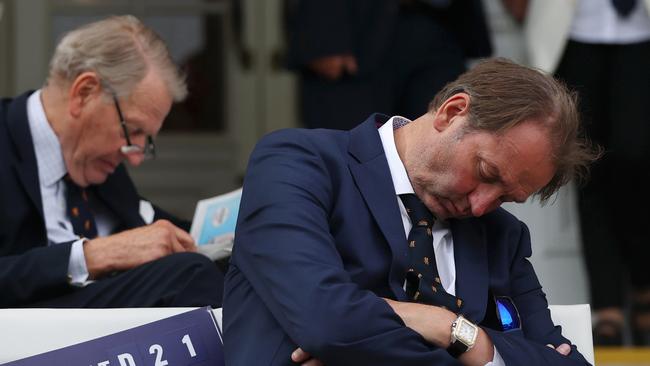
464 216
443 209
447 216
96 178
441 213
446 213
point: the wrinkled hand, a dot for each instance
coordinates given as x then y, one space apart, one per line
304 358
333 67
131 248
563 349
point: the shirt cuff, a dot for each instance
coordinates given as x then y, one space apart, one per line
147 212
496 360
77 270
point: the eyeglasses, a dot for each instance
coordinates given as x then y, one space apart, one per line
148 150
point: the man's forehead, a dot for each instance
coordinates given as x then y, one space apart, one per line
151 97
523 159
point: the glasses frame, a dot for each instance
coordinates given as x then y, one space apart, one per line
148 151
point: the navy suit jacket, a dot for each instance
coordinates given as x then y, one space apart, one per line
320 240
30 270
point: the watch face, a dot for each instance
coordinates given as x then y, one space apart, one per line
466 332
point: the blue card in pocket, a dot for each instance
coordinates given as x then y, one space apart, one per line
507 313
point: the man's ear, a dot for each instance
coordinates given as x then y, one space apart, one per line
84 88
455 106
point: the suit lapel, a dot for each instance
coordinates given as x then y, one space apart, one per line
25 162
117 193
370 171
472 275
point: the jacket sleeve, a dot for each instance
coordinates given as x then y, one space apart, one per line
35 275
528 346
285 249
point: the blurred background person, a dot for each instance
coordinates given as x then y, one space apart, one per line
75 232
356 57
601 48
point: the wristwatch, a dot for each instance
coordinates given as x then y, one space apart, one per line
463 336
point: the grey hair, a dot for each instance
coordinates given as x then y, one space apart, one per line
121 50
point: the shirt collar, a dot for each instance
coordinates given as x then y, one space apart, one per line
49 157
398 173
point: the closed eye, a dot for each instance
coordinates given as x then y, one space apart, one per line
134 130
488 173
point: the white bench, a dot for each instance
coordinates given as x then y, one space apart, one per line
27 332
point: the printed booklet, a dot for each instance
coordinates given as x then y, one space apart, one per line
213 226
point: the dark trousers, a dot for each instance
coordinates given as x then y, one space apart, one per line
177 280
422 58
613 82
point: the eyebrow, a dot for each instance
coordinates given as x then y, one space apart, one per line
136 128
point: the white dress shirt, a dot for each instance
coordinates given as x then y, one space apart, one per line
443 242
51 171
596 21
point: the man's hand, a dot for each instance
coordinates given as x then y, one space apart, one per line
333 67
563 349
131 248
304 358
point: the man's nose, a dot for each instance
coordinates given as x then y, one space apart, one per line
485 199
134 159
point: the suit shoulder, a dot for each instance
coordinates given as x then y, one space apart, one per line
5 104
302 134
502 220
501 214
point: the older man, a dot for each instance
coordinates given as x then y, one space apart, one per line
74 232
387 246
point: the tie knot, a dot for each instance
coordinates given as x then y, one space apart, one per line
74 189
624 7
417 211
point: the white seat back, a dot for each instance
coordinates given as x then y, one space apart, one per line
576 326
27 332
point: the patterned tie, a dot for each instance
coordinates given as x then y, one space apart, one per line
624 7
78 208
423 283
